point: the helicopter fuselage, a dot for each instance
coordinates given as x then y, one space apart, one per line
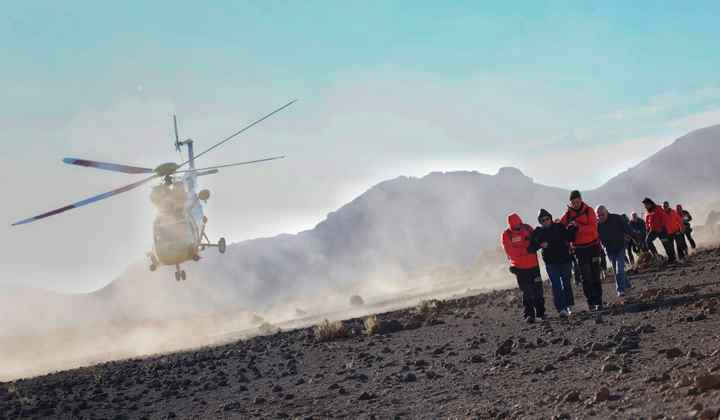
180 221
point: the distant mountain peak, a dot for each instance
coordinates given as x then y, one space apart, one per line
512 173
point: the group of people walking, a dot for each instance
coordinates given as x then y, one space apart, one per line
585 239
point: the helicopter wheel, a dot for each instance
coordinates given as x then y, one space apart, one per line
182 275
196 257
153 267
177 276
222 246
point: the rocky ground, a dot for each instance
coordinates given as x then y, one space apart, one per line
657 356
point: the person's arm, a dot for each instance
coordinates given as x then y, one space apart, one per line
507 246
534 241
689 216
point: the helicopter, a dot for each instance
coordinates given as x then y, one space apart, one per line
179 226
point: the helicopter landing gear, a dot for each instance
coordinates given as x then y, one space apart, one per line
179 274
221 245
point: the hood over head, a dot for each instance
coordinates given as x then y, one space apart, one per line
544 213
514 221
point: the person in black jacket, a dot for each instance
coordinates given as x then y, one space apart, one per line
613 230
553 238
637 224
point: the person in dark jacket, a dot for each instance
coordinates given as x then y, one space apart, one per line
629 242
613 230
687 218
637 224
656 227
554 240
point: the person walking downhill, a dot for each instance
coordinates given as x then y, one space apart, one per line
637 224
656 227
613 229
675 230
524 264
586 243
554 240
687 218
629 242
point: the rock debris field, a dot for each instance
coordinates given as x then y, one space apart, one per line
657 356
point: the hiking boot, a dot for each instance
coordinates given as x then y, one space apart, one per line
563 314
529 319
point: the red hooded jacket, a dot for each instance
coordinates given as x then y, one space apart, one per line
587 224
516 241
655 220
674 222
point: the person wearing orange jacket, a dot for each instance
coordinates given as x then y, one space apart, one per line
656 224
586 243
687 218
524 264
675 230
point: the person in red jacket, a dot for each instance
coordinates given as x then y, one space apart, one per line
587 247
676 230
524 264
656 224
687 218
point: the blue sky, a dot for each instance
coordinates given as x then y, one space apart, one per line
385 89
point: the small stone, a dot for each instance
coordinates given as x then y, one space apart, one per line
602 395
409 377
672 353
365 396
609 367
707 382
572 396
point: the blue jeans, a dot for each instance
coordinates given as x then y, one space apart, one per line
618 262
561 280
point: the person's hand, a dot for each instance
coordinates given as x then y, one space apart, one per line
544 245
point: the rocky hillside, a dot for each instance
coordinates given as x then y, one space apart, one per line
657 356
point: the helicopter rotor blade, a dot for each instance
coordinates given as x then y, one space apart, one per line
233 164
115 167
242 130
177 136
86 201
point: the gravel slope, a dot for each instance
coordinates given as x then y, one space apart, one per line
658 356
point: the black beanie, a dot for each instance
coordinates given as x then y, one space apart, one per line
648 201
544 213
575 194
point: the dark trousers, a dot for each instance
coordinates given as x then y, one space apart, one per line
530 284
667 242
630 256
688 235
681 245
589 260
